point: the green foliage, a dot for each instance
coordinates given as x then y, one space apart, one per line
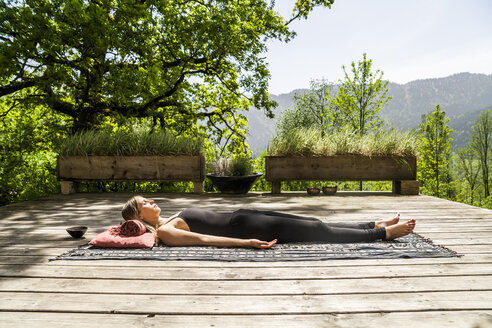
307 142
311 110
487 203
129 143
469 168
434 153
481 143
27 160
360 97
177 62
259 166
355 106
239 166
242 166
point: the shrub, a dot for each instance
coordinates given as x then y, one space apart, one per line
239 166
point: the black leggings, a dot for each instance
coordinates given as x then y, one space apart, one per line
267 225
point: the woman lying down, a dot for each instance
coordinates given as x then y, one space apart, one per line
252 228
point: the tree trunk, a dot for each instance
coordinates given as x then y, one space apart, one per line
485 174
84 121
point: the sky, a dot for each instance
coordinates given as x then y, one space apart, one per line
406 39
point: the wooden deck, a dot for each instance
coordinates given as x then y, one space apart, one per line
436 292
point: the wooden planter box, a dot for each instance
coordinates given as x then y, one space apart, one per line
401 170
74 169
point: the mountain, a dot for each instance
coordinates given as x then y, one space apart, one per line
463 96
457 94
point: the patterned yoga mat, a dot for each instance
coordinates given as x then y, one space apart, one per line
410 246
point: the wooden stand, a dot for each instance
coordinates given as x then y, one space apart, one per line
72 170
399 169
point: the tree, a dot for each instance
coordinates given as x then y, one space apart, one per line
360 97
467 164
27 158
178 62
481 142
434 152
311 110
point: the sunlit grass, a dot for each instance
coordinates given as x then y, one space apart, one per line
310 142
129 143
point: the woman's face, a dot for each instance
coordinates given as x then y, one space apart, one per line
148 210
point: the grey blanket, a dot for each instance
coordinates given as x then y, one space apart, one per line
411 246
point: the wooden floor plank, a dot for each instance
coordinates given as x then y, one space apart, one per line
306 304
462 241
45 259
241 273
471 249
441 319
248 287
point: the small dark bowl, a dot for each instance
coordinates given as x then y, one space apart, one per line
330 190
77 232
313 191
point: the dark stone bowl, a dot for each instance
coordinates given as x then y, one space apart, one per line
77 232
313 191
234 184
330 190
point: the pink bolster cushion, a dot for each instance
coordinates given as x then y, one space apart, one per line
109 239
133 228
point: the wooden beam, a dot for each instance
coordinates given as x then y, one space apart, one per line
340 168
131 168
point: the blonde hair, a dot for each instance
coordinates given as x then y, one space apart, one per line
130 211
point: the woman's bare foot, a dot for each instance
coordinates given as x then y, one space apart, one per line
388 222
400 229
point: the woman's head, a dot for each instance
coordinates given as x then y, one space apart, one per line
142 209
130 209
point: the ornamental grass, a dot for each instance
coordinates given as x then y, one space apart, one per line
312 142
130 143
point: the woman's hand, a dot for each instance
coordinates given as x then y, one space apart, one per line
261 244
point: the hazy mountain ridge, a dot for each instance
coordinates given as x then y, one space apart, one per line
457 94
463 96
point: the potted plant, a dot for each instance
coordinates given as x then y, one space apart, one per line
233 175
130 156
344 156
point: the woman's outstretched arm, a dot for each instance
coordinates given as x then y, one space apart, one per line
173 236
